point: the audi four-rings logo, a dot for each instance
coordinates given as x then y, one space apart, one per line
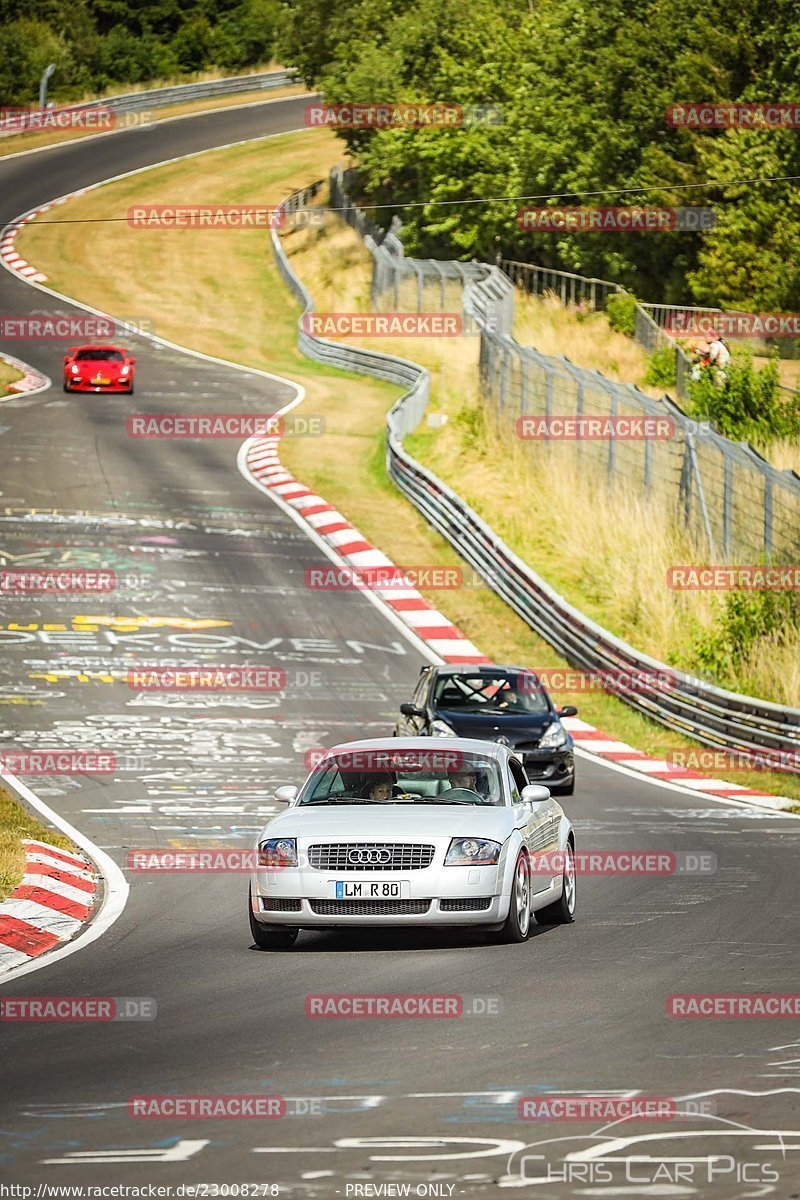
366 854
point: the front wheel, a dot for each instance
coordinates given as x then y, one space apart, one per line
270 939
562 911
518 922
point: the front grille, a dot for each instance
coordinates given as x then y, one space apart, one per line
525 747
369 908
281 904
473 904
402 856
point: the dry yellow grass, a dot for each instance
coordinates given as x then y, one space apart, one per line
586 339
8 375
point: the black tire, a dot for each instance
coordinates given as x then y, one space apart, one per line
517 925
562 911
270 939
67 388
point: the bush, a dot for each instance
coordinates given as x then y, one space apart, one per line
744 619
621 312
747 405
661 370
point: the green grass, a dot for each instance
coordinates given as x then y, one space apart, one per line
17 823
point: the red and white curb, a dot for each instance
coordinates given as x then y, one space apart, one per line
8 247
31 380
50 906
445 639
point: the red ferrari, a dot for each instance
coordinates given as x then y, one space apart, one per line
98 369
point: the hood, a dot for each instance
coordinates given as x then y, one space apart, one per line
515 726
402 822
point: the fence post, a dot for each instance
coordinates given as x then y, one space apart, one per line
727 507
768 516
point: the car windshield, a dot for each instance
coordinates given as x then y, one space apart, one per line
396 776
504 692
99 356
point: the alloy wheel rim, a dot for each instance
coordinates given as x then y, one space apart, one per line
569 880
523 906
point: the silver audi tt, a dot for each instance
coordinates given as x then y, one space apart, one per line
413 831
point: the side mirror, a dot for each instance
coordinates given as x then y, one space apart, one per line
534 793
132 360
67 357
569 710
408 710
286 794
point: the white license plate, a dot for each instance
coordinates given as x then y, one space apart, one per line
341 889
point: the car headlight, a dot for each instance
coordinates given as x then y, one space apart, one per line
277 852
471 852
75 369
555 735
442 729
124 370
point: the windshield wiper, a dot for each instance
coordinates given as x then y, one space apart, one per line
337 800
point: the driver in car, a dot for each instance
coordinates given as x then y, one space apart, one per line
463 779
378 790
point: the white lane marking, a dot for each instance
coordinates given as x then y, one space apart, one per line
115 892
180 1152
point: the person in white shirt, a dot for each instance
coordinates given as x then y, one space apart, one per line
718 355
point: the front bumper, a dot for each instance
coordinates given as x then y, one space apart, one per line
437 896
553 768
119 386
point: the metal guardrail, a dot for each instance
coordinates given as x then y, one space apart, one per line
160 97
691 706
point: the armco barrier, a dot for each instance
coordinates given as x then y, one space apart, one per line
711 715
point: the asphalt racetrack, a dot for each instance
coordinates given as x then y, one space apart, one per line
214 569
